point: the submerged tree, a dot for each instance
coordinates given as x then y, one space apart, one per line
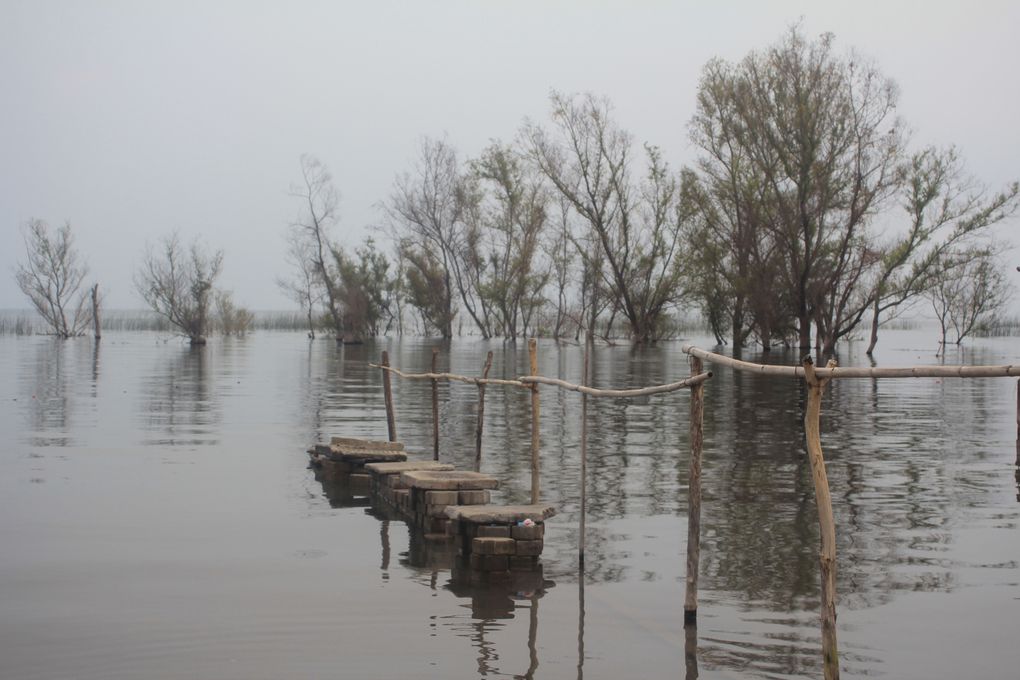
177 282
426 219
587 159
970 287
311 242
365 291
52 278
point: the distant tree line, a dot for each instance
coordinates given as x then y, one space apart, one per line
806 218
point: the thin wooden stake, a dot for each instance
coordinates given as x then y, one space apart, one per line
535 412
391 418
826 522
697 433
1018 423
481 413
585 377
95 312
435 407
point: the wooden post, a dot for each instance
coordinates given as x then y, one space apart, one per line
535 411
481 413
435 406
697 431
585 376
1018 423
826 522
391 418
95 312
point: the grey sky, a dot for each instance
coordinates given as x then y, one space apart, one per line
131 119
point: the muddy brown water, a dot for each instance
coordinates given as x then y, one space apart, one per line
157 519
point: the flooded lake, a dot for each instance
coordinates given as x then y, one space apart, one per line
158 520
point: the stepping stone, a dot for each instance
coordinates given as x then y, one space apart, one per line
451 480
365 444
408 466
500 514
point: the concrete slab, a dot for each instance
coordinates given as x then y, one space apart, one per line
451 480
407 466
500 514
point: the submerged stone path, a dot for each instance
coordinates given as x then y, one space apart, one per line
449 505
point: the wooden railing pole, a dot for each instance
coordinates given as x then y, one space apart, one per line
535 412
391 418
1018 423
826 522
435 407
585 377
697 433
481 413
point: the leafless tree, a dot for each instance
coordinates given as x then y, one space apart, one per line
426 220
320 201
177 282
946 209
304 287
588 160
970 288
52 278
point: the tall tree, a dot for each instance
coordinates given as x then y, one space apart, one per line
588 160
312 232
506 224
52 277
822 141
425 213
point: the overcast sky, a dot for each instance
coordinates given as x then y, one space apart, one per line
132 119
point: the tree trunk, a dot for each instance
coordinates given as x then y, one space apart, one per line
874 330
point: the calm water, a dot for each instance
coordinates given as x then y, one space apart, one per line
157 519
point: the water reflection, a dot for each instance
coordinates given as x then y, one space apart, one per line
180 406
59 385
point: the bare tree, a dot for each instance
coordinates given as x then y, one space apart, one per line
506 225
52 279
178 283
587 160
970 288
311 230
304 287
426 219
946 208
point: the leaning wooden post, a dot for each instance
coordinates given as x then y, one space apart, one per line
694 497
391 418
585 376
435 406
533 362
826 522
95 312
481 413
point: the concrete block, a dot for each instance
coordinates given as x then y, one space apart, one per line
494 546
524 562
529 547
473 497
441 497
491 530
532 533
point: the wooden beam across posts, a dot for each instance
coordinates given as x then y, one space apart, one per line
835 372
697 433
481 413
535 413
391 418
826 522
435 407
